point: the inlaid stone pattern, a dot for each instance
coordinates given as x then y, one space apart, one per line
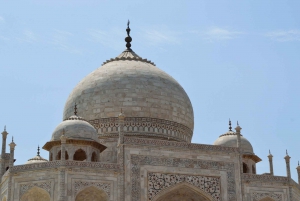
160 181
256 196
44 185
144 126
139 160
79 185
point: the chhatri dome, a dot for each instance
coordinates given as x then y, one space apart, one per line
154 103
37 158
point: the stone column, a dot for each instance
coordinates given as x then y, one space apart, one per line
270 156
298 171
3 150
11 164
238 133
62 170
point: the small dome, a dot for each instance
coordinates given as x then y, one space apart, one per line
229 139
75 127
37 158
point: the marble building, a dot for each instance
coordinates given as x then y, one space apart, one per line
126 135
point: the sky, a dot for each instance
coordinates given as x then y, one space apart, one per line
235 59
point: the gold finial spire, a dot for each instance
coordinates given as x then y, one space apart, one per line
75 109
128 39
38 152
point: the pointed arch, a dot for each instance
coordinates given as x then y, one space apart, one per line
58 156
182 191
91 194
36 194
245 168
4 199
79 155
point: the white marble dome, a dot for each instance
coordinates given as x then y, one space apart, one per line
36 159
75 127
229 139
153 102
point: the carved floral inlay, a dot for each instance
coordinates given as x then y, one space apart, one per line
44 185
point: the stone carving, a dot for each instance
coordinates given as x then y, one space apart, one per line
57 164
265 178
35 193
138 160
158 182
43 185
257 196
138 125
79 185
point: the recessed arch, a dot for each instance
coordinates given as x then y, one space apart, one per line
182 192
91 194
79 155
253 169
36 194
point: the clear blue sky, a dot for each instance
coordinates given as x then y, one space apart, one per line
235 59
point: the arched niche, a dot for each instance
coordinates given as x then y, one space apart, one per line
245 168
253 169
91 194
79 155
183 192
36 194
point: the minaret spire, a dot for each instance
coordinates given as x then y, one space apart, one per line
128 39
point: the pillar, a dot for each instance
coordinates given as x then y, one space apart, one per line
121 180
288 169
298 171
62 169
11 164
4 136
270 156
238 134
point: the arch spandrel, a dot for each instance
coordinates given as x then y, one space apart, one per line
91 194
36 194
182 192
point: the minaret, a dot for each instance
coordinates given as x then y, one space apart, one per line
287 161
238 133
270 156
298 171
12 153
4 136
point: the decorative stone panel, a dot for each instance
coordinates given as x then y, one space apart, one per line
139 126
43 185
257 196
139 160
158 182
80 185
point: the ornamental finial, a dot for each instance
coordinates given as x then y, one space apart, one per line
230 128
5 128
75 109
286 152
38 152
12 138
128 39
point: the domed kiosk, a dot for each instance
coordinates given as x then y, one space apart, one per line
37 158
230 138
